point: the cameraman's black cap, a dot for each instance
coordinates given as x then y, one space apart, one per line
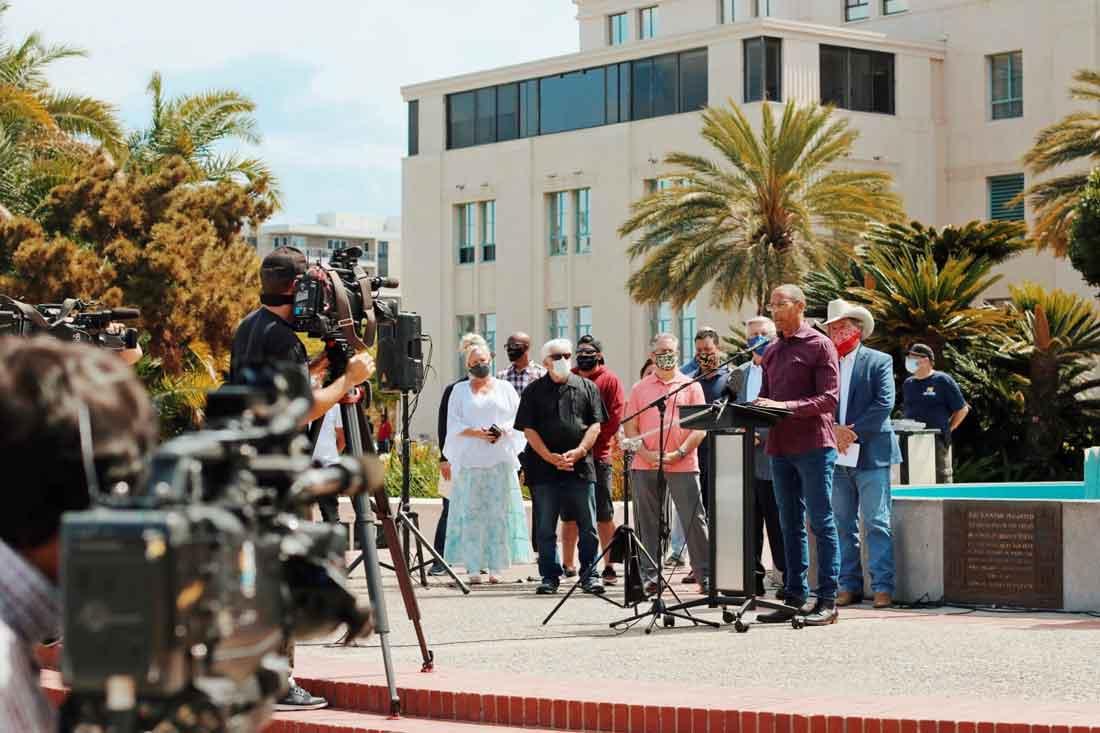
288 262
922 350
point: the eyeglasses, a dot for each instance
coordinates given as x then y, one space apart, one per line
559 357
772 307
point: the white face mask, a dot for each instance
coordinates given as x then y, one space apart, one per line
560 367
911 365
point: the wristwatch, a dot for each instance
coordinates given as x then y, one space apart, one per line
680 452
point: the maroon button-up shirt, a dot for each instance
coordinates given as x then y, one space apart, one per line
801 371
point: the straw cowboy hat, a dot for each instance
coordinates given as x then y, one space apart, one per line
840 308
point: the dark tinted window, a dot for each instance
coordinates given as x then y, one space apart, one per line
665 85
486 115
763 69
460 120
508 112
571 101
611 97
529 108
858 80
624 91
414 127
642 90
693 80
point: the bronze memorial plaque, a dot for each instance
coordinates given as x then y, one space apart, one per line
1008 553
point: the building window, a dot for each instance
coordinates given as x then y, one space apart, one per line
687 323
1002 189
761 8
604 95
559 323
383 259
862 81
763 69
583 204
889 7
726 12
857 10
559 239
298 241
465 325
661 318
414 127
616 25
489 231
584 322
489 331
1006 83
465 234
647 23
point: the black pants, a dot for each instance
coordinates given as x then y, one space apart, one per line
330 509
440 540
765 511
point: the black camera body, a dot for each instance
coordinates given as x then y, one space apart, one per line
180 593
71 320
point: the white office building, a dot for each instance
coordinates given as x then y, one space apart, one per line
517 178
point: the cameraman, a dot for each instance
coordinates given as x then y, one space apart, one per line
266 335
45 385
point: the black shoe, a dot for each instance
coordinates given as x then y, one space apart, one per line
547 588
298 699
437 570
592 585
651 588
570 572
781 595
823 613
704 586
689 579
759 589
779 615
610 577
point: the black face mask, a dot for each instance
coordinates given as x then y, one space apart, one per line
479 371
587 362
515 351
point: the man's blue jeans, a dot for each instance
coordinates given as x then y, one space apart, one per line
803 485
580 497
866 492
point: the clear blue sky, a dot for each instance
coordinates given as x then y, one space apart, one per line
325 74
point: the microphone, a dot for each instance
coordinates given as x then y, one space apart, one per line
385 282
123 314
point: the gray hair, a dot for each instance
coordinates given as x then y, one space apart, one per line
769 324
556 344
472 339
665 335
793 292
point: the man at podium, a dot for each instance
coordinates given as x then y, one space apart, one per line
801 374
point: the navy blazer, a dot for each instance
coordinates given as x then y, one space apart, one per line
870 402
761 462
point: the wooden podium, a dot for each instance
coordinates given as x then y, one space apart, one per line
731 438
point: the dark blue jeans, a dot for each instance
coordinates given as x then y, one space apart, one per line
579 498
803 485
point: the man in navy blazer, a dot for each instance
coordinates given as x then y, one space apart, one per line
863 427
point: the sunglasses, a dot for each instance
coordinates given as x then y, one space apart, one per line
559 357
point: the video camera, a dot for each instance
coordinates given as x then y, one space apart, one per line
180 592
339 304
71 320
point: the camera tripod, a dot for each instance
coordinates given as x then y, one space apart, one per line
409 520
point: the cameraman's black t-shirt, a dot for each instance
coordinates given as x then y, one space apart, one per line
264 338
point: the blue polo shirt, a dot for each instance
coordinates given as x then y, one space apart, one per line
933 400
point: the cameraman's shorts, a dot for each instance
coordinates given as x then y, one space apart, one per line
605 510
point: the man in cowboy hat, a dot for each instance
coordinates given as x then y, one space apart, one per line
866 445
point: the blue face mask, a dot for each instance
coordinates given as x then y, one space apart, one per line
911 365
759 344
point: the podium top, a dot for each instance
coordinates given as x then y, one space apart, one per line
706 417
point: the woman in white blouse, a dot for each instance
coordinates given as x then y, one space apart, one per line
487 527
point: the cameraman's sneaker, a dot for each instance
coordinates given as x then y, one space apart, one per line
297 698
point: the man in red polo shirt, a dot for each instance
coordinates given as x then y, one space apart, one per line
590 365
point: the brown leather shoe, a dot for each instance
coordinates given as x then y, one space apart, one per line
882 600
848 598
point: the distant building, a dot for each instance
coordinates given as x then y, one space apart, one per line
378 236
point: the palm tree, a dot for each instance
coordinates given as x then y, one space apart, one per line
1053 343
770 207
1076 137
44 133
194 127
913 299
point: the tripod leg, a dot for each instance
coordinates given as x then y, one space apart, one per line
378 601
404 582
595 563
422 543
